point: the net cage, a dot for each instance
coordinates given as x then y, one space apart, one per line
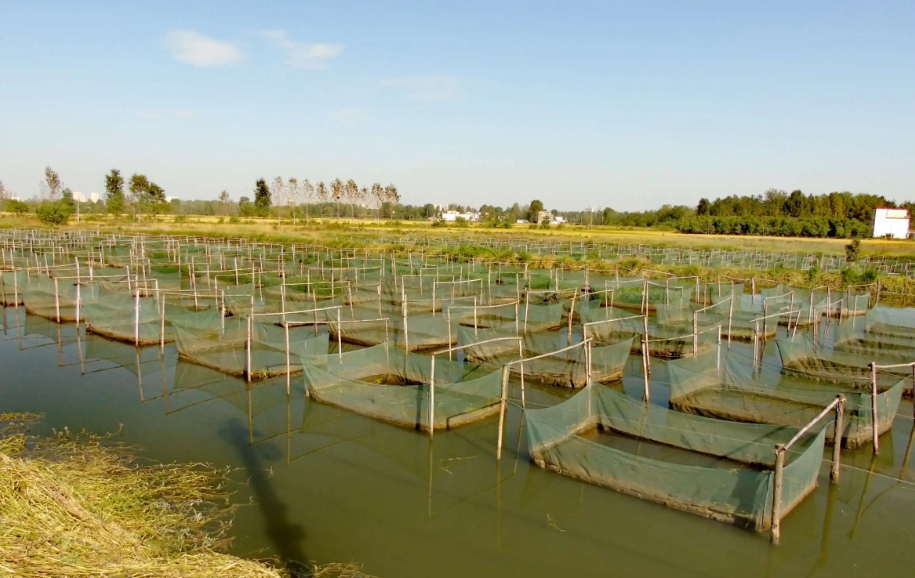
740 491
391 385
610 325
140 320
728 387
881 336
250 348
559 366
821 361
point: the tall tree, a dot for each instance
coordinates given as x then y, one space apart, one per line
245 207
261 198
278 193
338 189
308 192
352 194
533 211
364 198
225 201
378 195
51 186
138 186
153 200
292 195
322 193
114 192
392 196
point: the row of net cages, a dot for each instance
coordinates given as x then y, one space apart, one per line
439 347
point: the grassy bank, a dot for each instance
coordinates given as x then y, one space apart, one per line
79 505
283 230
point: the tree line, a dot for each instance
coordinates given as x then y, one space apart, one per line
293 193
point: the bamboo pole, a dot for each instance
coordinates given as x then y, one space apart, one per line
432 398
136 318
777 493
502 408
874 415
837 439
248 349
162 325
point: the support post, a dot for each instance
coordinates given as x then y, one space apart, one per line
777 493
136 318
162 325
432 398
248 351
874 415
502 407
56 300
837 439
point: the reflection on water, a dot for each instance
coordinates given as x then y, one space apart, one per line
321 483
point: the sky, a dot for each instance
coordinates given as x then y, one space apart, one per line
628 105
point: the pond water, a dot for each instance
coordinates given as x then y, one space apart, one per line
323 484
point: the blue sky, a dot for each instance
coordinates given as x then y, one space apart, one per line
580 104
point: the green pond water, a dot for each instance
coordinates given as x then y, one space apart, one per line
323 484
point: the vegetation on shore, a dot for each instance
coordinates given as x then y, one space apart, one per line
82 505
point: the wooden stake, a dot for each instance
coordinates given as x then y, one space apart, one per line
837 439
874 415
777 493
502 408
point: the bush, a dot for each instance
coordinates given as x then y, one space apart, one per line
234 220
461 223
17 207
53 213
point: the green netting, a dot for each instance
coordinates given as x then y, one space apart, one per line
50 298
541 317
870 340
463 392
120 315
11 283
564 369
227 350
728 388
822 362
891 321
736 323
741 495
609 325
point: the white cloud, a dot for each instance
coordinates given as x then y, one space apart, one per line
349 116
428 88
196 49
304 55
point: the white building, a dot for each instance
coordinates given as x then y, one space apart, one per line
79 197
452 216
93 197
891 222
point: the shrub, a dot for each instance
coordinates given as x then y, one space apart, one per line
17 207
53 213
234 220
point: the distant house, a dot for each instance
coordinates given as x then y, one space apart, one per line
452 216
893 223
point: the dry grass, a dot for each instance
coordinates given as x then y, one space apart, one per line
78 505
